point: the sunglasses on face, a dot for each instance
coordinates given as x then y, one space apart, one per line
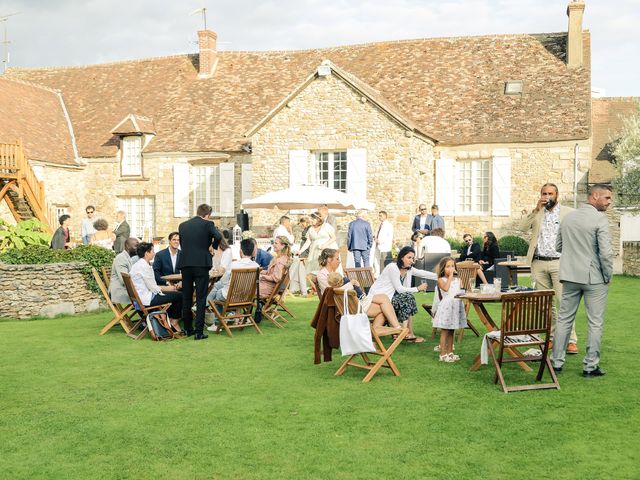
90 211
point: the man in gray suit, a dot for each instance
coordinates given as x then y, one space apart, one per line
360 239
586 266
121 231
544 223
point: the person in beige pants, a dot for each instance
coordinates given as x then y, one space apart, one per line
544 223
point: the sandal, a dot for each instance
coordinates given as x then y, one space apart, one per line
414 339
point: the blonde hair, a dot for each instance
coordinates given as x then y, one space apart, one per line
335 280
286 249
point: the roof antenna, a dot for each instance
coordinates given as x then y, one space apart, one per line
202 10
5 41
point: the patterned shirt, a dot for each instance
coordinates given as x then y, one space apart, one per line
549 232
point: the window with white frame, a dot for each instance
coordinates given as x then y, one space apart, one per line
331 170
474 186
131 156
140 215
207 187
59 211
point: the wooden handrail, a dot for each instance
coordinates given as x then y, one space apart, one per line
14 165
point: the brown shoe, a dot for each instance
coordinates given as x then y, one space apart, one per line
572 348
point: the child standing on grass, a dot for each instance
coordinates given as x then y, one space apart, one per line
449 310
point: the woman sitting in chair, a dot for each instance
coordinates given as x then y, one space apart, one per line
282 259
149 291
395 283
490 252
377 307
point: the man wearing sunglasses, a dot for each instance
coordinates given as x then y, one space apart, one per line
470 250
421 221
87 229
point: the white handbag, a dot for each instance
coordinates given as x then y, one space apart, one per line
355 332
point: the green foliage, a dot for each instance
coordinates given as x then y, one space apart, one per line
626 150
23 234
92 255
627 188
511 243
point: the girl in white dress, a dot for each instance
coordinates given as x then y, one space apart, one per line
449 310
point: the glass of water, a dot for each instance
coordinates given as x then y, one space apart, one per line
497 283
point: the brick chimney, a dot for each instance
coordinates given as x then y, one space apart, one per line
208 54
575 10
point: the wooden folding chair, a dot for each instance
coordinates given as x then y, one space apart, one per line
270 304
121 313
238 307
526 322
363 275
467 272
281 294
141 310
313 278
376 333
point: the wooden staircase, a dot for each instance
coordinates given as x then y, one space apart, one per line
19 187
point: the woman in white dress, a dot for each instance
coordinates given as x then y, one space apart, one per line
103 237
320 236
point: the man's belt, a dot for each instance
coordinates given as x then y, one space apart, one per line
545 259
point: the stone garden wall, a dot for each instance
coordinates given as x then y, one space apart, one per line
44 291
631 258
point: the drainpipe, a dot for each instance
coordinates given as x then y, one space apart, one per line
575 175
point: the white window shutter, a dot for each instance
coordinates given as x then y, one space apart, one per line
501 186
298 163
246 179
181 189
357 173
446 185
227 190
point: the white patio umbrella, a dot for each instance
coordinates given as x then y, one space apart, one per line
307 197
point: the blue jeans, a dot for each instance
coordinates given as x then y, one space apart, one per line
360 256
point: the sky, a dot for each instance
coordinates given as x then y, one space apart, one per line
78 32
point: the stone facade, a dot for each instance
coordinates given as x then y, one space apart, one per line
44 291
631 258
330 115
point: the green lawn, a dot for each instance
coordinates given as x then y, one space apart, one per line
74 404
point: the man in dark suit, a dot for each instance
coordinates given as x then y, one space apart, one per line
470 250
359 240
165 262
196 237
421 221
122 231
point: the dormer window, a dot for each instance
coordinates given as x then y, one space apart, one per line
131 156
513 87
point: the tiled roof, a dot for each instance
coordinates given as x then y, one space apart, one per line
608 113
35 115
452 88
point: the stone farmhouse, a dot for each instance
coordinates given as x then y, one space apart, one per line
474 124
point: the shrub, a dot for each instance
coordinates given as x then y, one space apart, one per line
23 234
93 255
511 243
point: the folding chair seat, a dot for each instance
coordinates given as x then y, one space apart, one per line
141 310
106 275
270 304
121 313
526 322
237 310
280 295
363 275
376 333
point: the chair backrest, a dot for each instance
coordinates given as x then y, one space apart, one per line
284 278
106 275
242 287
503 273
429 263
467 272
314 279
133 293
103 288
363 275
338 298
526 312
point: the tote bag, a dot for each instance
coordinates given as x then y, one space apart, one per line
355 332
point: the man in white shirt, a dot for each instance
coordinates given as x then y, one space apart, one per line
383 238
284 229
87 229
435 243
221 288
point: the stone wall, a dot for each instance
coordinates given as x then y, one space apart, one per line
44 291
631 258
330 115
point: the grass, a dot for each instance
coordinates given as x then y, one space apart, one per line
74 404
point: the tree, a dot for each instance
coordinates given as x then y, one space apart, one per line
626 152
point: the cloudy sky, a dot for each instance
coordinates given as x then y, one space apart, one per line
76 32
